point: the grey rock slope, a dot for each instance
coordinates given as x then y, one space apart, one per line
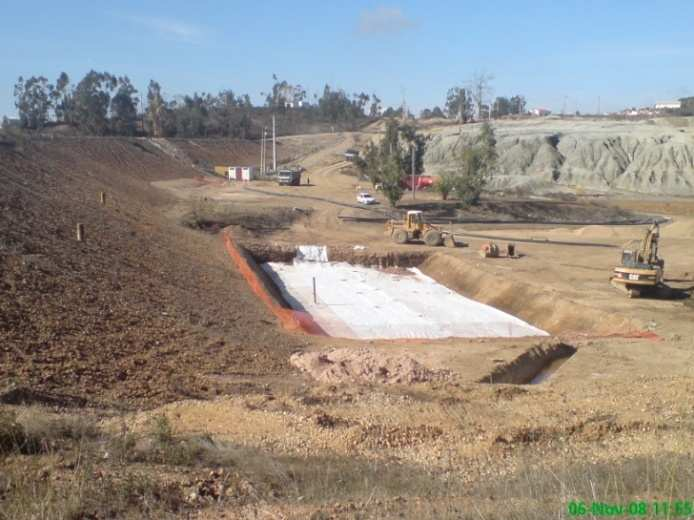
655 157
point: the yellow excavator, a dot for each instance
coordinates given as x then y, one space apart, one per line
641 269
414 227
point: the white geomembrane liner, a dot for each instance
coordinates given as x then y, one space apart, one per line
364 303
312 254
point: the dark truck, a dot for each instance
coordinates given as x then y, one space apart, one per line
289 178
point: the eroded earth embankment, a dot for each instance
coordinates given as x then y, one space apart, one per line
594 155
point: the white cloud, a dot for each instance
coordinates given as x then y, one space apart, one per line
382 20
167 27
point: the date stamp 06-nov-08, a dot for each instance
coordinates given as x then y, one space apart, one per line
634 509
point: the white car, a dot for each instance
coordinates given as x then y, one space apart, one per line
365 198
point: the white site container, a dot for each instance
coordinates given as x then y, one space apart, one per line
241 173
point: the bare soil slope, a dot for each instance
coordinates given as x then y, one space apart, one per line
143 310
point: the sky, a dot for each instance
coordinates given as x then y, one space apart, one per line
567 54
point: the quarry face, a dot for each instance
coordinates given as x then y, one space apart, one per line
557 155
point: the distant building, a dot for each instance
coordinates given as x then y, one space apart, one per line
298 104
292 96
638 112
236 173
540 112
668 105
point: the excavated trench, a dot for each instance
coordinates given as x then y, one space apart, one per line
263 253
359 294
540 308
542 311
534 366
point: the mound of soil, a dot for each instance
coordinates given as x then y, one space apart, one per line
364 366
535 304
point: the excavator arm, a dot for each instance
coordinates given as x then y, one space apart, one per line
649 247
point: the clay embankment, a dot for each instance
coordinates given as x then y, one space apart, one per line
554 155
541 307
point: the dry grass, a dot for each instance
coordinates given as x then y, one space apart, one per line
319 479
34 432
66 467
664 476
539 491
57 467
32 493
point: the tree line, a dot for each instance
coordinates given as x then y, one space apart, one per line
104 104
464 103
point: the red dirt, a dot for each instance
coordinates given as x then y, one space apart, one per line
290 319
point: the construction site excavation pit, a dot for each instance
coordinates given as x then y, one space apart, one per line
383 300
532 367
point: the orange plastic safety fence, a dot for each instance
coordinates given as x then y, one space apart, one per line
290 319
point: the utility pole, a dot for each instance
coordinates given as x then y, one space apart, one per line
274 145
414 186
262 152
598 105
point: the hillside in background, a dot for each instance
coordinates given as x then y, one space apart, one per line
655 156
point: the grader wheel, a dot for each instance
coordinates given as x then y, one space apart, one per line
433 238
400 236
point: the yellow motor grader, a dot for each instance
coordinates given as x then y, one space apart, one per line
414 228
641 269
